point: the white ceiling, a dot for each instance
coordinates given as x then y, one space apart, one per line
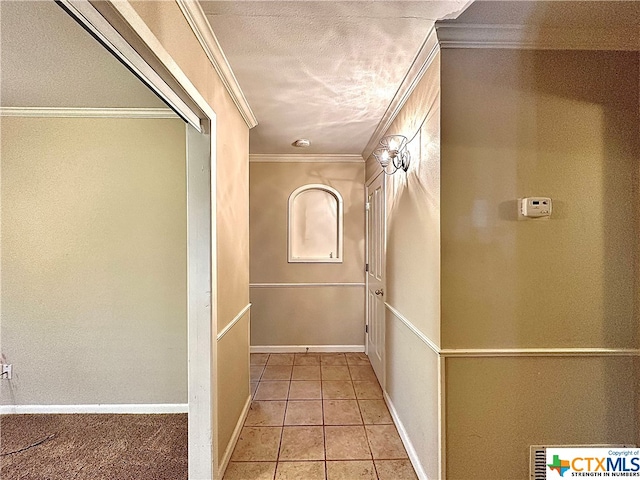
327 70
48 60
322 70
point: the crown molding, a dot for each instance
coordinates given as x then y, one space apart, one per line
201 27
64 112
302 158
526 37
419 66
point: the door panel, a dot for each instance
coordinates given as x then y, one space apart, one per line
375 276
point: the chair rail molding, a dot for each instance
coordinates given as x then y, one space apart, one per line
64 112
513 352
232 323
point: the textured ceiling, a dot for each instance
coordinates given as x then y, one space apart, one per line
48 60
322 70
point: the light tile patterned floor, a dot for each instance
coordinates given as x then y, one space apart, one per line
317 416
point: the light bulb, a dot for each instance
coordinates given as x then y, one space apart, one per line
384 158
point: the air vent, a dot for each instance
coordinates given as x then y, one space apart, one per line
538 457
538 465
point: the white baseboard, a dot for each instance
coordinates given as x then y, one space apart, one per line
137 408
411 451
224 462
306 348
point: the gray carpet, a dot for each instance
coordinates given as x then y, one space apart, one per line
93 447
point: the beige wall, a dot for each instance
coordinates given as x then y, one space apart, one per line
233 347
515 123
637 310
290 315
412 372
94 261
413 272
563 125
550 123
497 407
319 315
167 22
637 386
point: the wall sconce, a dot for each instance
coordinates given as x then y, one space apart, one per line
393 154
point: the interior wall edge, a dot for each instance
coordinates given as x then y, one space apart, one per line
306 348
122 32
233 322
224 461
404 436
134 408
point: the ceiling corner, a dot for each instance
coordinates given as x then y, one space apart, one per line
421 62
195 16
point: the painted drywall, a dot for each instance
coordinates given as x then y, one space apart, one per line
413 272
562 124
270 187
637 387
232 153
233 238
517 123
412 373
231 259
637 310
233 347
413 211
497 407
290 315
319 315
94 261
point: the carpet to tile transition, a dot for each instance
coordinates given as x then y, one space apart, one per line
93 447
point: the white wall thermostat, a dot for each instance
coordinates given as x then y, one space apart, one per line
535 207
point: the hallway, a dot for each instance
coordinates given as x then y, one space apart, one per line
317 416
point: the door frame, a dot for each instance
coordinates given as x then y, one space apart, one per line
118 27
367 259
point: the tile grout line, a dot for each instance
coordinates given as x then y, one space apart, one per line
324 433
351 382
275 470
364 428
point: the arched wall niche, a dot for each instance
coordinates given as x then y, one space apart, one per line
315 225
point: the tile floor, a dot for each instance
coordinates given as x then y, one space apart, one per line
317 416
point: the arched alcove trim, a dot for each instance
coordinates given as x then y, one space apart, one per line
315 227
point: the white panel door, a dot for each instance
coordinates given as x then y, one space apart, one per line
376 229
